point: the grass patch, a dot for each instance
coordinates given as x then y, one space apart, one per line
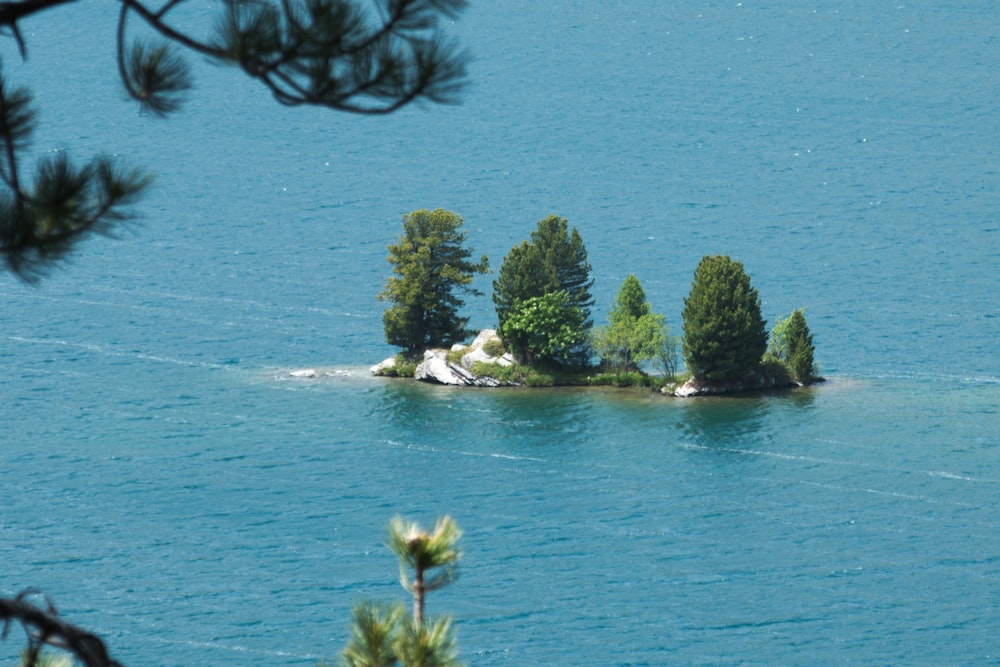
494 348
405 367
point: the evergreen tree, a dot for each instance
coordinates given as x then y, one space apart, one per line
331 53
430 261
384 635
724 333
634 332
630 303
792 344
521 277
564 259
555 259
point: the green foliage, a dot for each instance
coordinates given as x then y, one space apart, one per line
405 367
430 644
774 371
554 260
430 262
383 635
792 344
373 633
620 378
631 301
516 374
724 333
341 54
635 333
666 356
42 218
545 327
521 276
494 348
423 553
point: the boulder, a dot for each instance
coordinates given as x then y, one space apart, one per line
387 363
435 368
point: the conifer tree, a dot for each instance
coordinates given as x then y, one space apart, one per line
724 333
554 260
330 53
384 635
430 262
792 344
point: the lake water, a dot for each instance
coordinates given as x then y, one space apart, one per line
170 487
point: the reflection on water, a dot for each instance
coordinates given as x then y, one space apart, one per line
722 420
486 414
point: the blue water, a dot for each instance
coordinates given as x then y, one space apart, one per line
170 487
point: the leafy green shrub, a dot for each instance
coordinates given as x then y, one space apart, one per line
546 327
538 379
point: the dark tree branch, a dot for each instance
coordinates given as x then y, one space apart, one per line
328 53
12 12
43 626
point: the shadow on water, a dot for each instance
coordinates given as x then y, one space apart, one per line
726 421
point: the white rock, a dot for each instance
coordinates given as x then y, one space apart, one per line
435 368
304 373
387 363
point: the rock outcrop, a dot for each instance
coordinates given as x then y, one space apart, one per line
437 368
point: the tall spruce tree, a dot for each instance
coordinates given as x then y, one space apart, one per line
430 262
331 53
555 259
724 333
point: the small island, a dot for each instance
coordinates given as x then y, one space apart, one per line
545 335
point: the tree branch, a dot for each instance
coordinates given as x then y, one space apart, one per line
44 626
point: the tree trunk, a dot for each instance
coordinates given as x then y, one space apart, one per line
418 597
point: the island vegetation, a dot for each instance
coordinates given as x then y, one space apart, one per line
545 335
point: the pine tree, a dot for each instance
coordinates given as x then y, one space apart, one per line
564 258
724 333
384 635
430 262
332 53
521 276
554 260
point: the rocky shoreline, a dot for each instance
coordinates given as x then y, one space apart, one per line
438 369
454 367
